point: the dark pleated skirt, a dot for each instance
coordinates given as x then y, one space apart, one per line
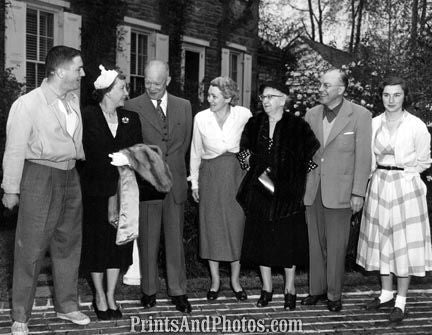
99 251
221 217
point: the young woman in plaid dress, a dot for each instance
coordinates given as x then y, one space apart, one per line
395 233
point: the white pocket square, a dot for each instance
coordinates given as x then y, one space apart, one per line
349 133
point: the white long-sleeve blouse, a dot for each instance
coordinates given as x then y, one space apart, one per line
209 140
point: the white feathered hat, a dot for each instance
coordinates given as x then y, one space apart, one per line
105 79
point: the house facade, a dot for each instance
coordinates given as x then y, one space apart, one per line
217 38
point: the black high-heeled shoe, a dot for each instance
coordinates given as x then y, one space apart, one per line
290 301
240 295
101 315
212 295
265 298
115 314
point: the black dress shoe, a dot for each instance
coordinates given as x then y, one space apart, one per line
212 295
240 295
397 315
148 301
181 303
313 299
376 304
334 305
265 298
101 315
290 301
115 314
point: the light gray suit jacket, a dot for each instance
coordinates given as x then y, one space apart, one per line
344 162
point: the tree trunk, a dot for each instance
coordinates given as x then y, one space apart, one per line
359 23
320 22
423 15
389 41
311 15
351 42
414 23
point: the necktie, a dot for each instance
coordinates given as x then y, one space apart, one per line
329 114
160 110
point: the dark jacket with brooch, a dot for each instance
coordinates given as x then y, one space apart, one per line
294 145
98 176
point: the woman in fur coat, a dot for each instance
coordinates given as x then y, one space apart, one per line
277 148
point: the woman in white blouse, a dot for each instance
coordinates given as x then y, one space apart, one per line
215 176
395 233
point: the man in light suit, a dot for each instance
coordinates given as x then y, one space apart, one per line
166 121
43 143
336 188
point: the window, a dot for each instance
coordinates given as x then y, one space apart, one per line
32 28
236 68
137 42
192 71
39 39
139 56
237 64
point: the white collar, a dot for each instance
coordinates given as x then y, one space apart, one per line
164 99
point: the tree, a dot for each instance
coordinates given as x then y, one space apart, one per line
359 23
311 16
414 22
391 36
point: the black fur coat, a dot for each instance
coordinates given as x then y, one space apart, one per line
294 145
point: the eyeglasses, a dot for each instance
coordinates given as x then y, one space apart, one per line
269 96
327 85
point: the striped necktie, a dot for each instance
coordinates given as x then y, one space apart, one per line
160 110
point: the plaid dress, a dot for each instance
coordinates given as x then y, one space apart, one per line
395 232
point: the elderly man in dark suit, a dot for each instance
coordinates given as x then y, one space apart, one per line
166 121
335 190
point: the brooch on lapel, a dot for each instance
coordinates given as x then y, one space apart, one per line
125 119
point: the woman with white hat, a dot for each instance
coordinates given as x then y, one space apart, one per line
106 129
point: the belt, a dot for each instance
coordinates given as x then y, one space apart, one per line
382 167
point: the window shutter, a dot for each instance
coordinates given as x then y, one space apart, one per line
162 47
72 30
15 37
123 53
225 62
247 80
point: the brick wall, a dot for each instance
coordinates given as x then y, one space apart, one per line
147 10
202 21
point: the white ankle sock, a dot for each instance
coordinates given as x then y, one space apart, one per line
400 302
385 296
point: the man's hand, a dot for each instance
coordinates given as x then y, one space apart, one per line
195 194
10 200
356 203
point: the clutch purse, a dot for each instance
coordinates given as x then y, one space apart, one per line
266 181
